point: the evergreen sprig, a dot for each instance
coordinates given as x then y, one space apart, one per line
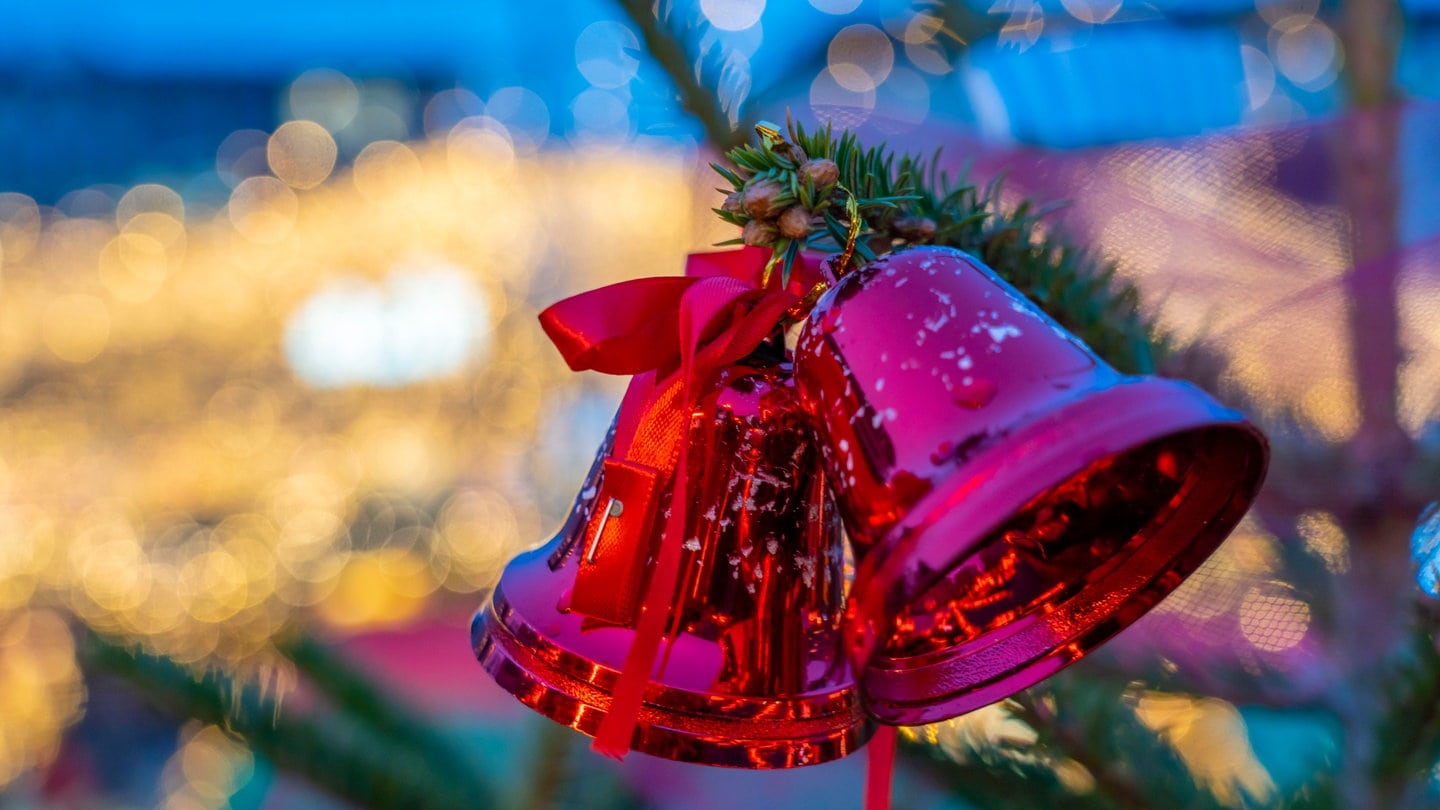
336 752
808 191
904 200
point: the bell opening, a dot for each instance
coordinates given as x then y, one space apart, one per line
1132 523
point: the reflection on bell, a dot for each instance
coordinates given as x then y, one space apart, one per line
1013 501
752 675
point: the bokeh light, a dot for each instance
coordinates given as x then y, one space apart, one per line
605 54
860 57
327 97
732 15
301 153
244 419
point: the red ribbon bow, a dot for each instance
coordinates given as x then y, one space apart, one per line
684 330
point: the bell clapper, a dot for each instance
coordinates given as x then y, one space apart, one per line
612 509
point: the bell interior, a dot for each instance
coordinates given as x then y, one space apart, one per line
1079 537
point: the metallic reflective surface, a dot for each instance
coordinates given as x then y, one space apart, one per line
754 677
1013 502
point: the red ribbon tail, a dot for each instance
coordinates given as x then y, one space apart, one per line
613 737
879 768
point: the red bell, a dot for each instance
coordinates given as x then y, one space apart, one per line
1012 501
751 673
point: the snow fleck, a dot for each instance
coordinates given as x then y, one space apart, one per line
966 363
693 544
759 571
844 445
901 282
807 569
880 384
1000 332
877 419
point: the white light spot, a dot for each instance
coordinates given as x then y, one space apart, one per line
427 320
732 15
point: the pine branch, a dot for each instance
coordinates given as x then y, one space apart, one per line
1407 737
1090 723
668 47
990 780
803 190
339 757
365 702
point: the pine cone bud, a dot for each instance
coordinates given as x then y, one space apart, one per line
760 197
760 233
820 172
734 202
795 222
915 228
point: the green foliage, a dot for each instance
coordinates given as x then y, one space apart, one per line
991 779
1408 734
1093 722
335 752
905 200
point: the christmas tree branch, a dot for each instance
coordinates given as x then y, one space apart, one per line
366 702
801 190
339 757
1092 726
1407 738
668 48
994 781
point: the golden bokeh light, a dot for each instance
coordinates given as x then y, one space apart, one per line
1210 736
301 153
41 691
382 167
860 57
208 767
149 198
186 488
76 327
263 209
19 225
1326 539
1094 12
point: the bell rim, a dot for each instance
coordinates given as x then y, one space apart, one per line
573 697
1122 416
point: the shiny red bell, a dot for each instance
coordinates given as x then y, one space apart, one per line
751 674
1012 500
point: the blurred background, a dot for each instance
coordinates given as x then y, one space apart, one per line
274 409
